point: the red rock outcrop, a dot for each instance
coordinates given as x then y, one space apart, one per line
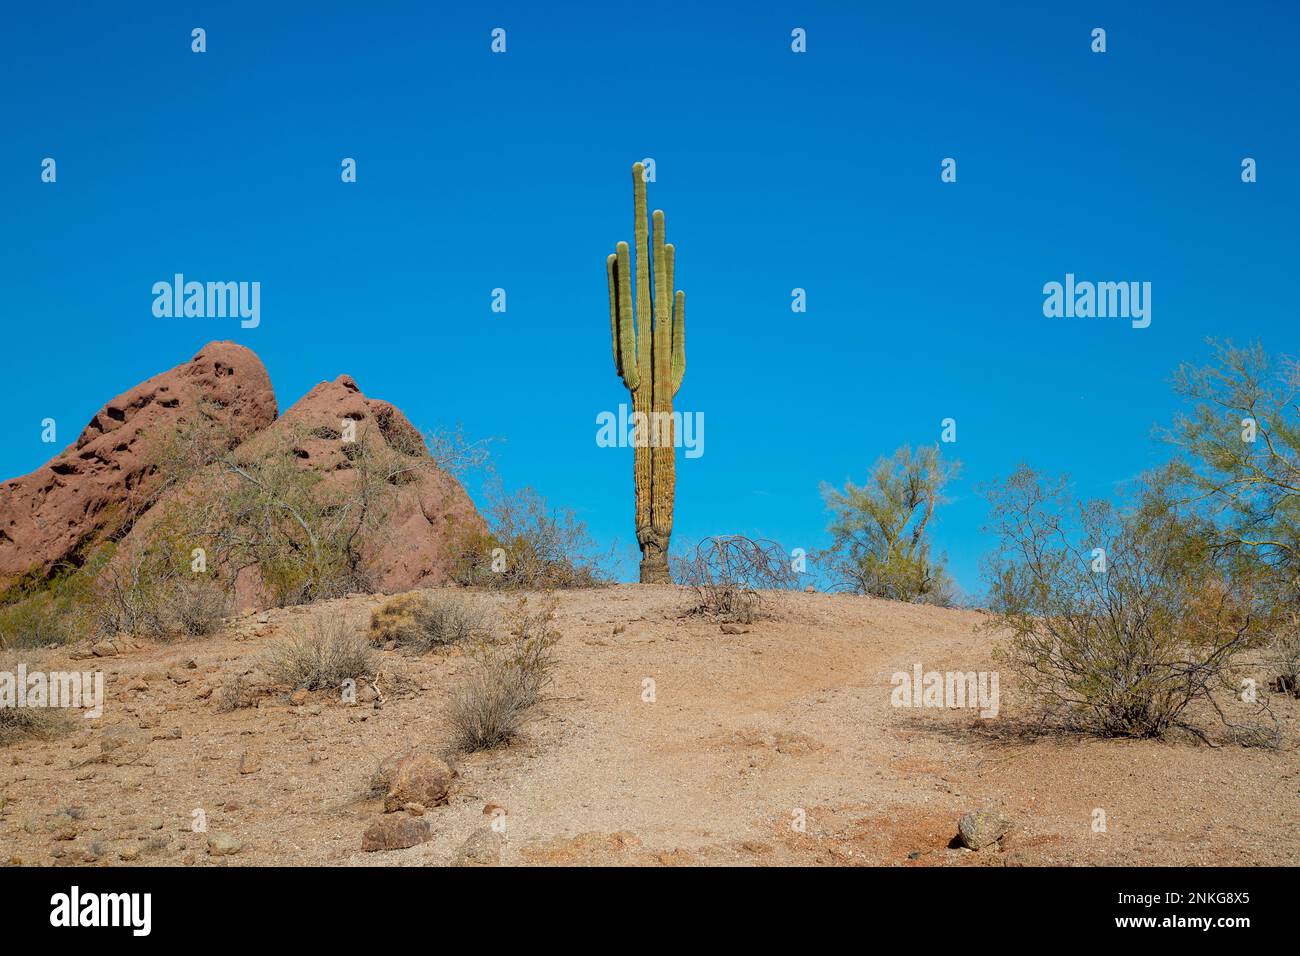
421 521
106 484
430 508
106 478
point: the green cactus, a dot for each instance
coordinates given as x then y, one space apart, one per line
650 357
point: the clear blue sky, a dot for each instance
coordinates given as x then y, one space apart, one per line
776 171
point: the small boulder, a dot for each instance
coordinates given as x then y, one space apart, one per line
980 828
395 833
221 843
417 778
483 848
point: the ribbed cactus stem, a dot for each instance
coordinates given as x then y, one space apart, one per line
649 347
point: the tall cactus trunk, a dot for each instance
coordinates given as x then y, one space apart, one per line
650 356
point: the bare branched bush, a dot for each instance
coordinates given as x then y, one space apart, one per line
528 545
321 656
1283 656
508 680
728 573
145 594
234 694
422 622
1122 618
455 453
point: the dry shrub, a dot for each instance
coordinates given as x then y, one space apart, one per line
508 680
528 545
1125 648
149 595
17 723
1283 656
422 622
728 572
321 656
234 694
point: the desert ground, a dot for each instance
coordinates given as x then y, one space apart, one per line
748 733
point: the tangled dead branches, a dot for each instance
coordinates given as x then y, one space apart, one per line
728 572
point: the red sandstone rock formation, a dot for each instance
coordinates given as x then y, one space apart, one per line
102 482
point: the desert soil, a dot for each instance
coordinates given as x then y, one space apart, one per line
747 735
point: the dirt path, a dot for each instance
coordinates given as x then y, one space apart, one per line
747 736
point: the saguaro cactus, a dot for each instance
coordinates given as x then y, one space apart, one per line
650 357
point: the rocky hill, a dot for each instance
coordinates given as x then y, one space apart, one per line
107 485
107 478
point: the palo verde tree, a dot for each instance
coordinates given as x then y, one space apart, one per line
1241 438
880 543
650 356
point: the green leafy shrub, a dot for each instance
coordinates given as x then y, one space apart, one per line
880 531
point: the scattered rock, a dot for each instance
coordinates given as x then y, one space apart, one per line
221 843
980 828
395 832
66 831
483 848
122 745
417 778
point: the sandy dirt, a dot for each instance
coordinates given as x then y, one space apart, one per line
773 747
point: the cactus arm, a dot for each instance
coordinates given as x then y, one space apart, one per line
613 310
679 341
621 325
678 310
670 260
